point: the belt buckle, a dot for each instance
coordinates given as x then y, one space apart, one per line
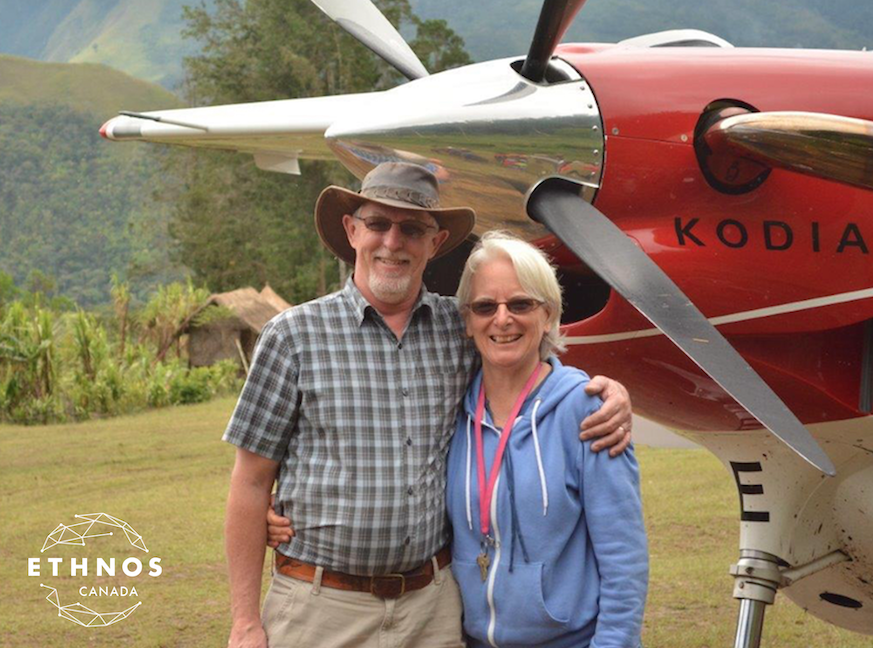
373 582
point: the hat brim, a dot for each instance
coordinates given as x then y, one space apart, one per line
335 202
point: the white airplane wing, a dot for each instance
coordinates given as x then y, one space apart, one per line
277 133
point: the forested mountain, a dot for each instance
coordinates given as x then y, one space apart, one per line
143 37
140 37
72 207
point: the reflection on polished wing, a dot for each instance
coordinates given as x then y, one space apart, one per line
289 129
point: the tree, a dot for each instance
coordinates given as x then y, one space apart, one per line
233 224
438 47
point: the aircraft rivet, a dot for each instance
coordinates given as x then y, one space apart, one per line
741 585
684 137
615 130
749 570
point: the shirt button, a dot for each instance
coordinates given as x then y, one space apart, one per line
400 345
406 542
409 442
404 391
410 490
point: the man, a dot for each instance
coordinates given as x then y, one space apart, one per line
350 402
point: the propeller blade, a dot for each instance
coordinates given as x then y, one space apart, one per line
555 18
366 23
825 146
556 203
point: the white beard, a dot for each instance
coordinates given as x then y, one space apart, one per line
390 291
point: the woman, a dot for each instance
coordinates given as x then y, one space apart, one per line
549 546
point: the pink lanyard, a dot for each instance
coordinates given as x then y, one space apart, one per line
486 494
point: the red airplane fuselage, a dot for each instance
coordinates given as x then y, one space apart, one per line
794 238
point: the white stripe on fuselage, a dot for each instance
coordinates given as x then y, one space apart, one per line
758 313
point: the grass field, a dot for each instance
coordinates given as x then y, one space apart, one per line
166 473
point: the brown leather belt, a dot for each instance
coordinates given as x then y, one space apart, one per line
388 586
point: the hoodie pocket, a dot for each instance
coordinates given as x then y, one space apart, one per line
474 596
522 616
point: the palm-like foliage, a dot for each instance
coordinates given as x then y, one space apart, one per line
164 316
56 366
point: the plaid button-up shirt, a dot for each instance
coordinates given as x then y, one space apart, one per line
360 423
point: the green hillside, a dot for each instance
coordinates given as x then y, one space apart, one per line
72 205
89 88
140 37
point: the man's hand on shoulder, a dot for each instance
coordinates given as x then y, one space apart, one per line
611 424
248 634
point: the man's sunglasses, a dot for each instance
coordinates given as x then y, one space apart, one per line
516 306
409 228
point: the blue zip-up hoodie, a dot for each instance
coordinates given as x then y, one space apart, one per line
571 565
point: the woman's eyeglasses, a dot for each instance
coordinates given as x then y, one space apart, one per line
516 306
409 228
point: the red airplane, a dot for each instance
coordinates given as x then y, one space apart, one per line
710 209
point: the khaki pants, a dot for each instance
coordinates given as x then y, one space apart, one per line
306 615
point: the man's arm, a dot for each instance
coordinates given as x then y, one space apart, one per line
613 421
245 536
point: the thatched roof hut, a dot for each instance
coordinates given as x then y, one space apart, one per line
230 330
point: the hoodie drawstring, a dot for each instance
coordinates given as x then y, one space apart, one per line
533 424
469 471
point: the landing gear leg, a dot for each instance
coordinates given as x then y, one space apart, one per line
750 623
756 579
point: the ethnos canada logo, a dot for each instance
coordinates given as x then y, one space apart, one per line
94 570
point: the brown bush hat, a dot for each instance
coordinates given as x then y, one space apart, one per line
398 184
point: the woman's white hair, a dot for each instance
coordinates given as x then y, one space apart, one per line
535 274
